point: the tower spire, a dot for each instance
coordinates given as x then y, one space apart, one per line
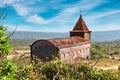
81 29
80 13
80 25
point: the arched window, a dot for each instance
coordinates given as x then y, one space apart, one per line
66 56
88 48
81 50
85 50
78 51
62 56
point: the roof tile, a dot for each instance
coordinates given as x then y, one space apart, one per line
80 26
68 41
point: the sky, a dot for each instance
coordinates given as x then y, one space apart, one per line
60 15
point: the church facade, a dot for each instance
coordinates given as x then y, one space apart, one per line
69 49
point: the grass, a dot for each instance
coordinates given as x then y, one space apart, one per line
106 62
21 47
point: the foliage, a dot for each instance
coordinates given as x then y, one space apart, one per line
53 70
21 44
7 70
5 48
59 70
97 54
105 49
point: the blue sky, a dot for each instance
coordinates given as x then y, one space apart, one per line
61 15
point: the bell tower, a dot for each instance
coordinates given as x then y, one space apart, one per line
81 29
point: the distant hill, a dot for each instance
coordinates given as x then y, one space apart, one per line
96 36
38 35
106 35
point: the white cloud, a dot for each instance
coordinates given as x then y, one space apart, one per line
67 13
70 14
104 14
20 27
105 17
67 16
4 2
106 27
36 19
21 9
8 2
105 20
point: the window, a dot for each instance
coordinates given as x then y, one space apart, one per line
87 57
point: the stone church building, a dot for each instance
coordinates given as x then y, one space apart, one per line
68 49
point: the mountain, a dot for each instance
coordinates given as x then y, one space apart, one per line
95 36
37 35
106 35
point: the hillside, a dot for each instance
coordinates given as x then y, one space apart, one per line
37 35
106 35
96 36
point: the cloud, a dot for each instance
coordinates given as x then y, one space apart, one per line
105 20
20 27
104 14
36 19
70 14
21 9
4 2
97 17
106 27
67 17
66 14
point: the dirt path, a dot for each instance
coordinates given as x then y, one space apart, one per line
18 54
22 51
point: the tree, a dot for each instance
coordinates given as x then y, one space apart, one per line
5 47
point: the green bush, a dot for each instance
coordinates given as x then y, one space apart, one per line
59 70
53 70
5 47
7 70
27 73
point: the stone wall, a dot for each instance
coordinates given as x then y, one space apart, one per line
75 52
87 36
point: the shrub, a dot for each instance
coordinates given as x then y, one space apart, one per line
7 70
5 47
59 70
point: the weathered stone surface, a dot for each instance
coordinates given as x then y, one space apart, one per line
76 51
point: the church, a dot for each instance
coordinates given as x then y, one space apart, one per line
69 49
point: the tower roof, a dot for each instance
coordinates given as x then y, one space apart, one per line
80 26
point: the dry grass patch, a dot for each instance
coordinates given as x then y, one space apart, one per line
107 63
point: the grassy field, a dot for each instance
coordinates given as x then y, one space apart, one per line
106 62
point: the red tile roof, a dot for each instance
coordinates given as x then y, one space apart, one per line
80 26
69 41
